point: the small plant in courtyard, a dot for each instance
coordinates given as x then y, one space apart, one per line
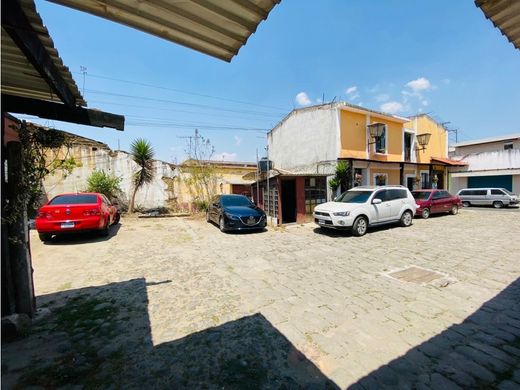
104 183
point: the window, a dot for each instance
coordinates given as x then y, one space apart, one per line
497 192
425 180
271 201
423 195
354 196
384 195
508 146
381 143
397 194
74 199
437 195
315 192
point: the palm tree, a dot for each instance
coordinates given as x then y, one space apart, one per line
142 153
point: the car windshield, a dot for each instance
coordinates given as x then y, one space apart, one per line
74 199
235 201
354 196
507 191
421 195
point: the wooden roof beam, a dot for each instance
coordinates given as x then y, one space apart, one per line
61 112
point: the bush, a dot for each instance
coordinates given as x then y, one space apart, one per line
104 183
201 205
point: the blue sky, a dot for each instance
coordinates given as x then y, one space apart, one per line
442 57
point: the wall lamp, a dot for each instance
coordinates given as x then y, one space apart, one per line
422 140
376 131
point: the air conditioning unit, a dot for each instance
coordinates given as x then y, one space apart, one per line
264 164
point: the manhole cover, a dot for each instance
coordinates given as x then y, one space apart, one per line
416 275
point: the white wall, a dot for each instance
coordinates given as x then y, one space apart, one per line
155 194
486 147
503 159
305 139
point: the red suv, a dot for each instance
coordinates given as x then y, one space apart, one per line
79 212
436 201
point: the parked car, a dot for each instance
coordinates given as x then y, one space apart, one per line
362 207
496 197
80 212
235 212
435 201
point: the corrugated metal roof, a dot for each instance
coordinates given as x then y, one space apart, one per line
505 15
508 137
218 28
19 77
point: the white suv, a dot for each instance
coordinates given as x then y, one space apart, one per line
361 207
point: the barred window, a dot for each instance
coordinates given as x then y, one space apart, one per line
315 192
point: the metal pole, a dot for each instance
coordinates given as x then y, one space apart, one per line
257 183
268 172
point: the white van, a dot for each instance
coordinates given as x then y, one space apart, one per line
496 197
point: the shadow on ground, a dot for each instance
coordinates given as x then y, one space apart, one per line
75 238
483 352
100 337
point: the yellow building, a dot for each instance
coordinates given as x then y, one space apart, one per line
199 180
381 148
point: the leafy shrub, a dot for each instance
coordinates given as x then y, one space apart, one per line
104 183
201 205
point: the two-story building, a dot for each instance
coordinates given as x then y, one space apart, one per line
380 149
491 162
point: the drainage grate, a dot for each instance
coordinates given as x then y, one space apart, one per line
416 275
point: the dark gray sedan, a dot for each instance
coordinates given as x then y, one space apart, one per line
235 212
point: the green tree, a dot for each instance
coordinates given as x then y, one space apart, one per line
105 183
342 177
142 153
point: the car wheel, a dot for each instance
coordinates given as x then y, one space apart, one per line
498 205
105 231
117 218
425 213
406 219
360 226
454 209
466 204
221 224
44 236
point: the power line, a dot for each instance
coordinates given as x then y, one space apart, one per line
183 91
181 103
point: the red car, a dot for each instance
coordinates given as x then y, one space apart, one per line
79 212
435 201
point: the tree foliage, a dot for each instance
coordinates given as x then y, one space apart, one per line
40 151
142 153
198 173
104 183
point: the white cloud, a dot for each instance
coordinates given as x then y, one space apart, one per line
383 97
392 107
302 99
420 84
424 103
238 140
225 156
351 90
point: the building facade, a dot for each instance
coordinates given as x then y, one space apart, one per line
491 162
306 146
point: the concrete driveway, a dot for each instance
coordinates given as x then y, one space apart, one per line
170 302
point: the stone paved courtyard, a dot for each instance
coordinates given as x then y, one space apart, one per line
174 303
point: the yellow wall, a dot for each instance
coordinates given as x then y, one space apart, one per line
438 140
392 175
353 136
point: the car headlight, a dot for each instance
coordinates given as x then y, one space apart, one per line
341 214
232 217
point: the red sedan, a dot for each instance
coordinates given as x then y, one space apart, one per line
79 212
435 201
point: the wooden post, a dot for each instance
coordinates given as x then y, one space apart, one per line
18 236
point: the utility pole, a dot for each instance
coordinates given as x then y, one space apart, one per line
257 183
268 174
83 70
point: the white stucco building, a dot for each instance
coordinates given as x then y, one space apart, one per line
492 162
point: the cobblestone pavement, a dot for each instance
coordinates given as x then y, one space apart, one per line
174 303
